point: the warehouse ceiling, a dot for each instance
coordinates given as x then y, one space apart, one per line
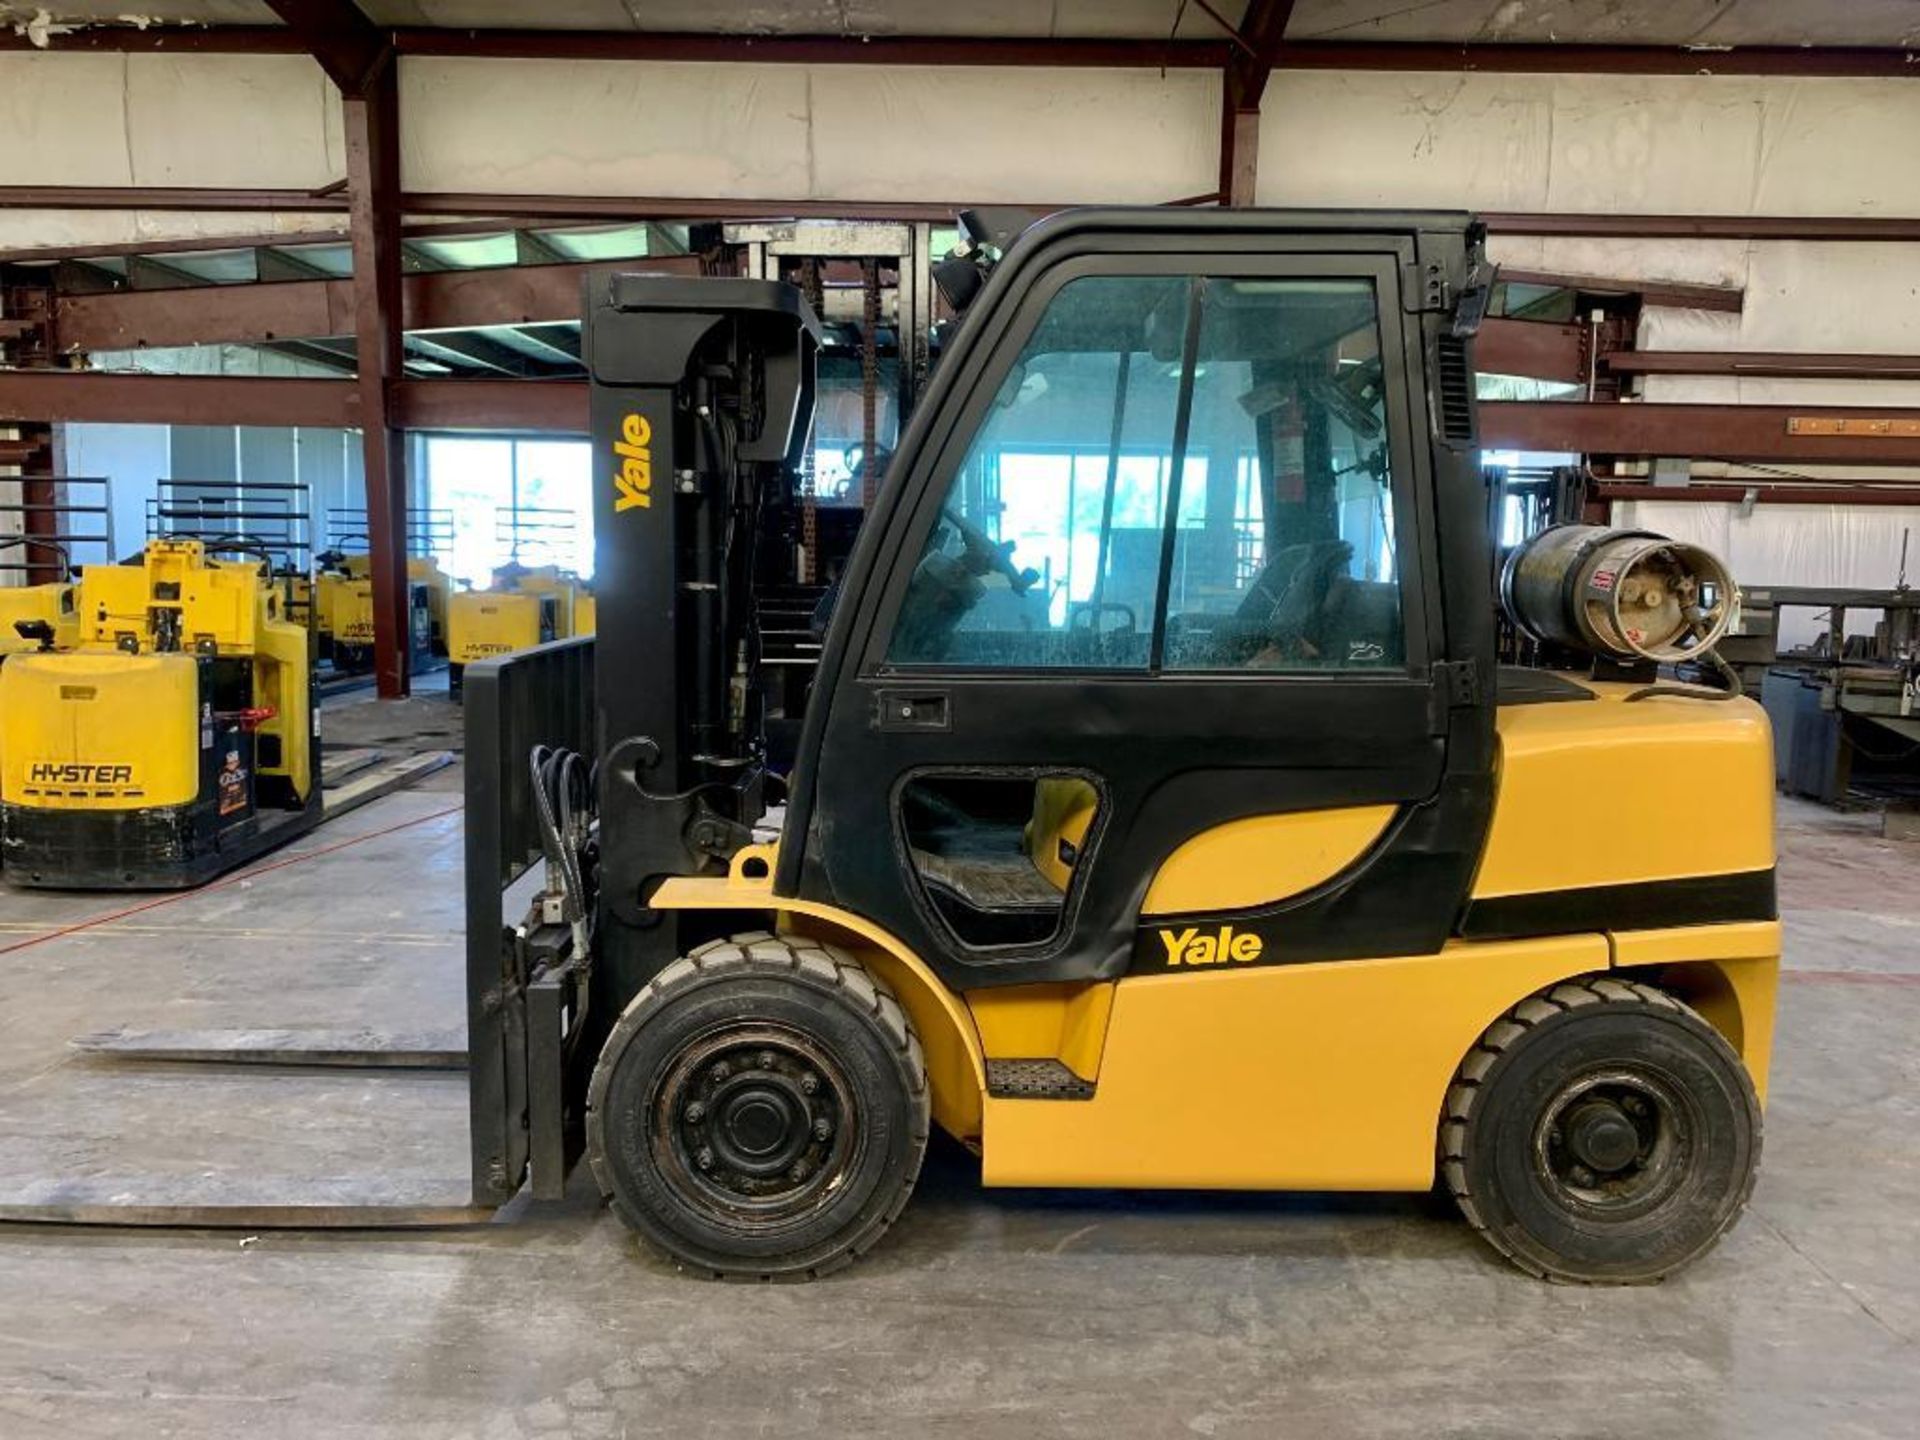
1708 23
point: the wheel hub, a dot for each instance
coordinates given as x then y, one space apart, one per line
763 1124
1601 1136
752 1122
1613 1142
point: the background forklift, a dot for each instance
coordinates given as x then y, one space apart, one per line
343 592
531 599
175 737
1160 816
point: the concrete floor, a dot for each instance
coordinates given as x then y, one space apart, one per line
985 1314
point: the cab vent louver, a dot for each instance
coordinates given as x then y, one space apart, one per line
1454 393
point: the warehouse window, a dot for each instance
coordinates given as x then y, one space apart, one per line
508 498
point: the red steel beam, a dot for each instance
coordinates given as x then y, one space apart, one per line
1732 432
1243 83
1534 348
545 406
254 240
1704 227
967 50
1763 494
656 207
339 36
1845 61
72 395
163 39
320 309
1842 61
1772 364
1674 293
537 406
164 197
672 207
1721 432
372 122
235 314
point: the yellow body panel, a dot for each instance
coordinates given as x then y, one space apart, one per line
1729 973
344 607
546 580
224 603
956 1068
484 623
283 682
1315 1076
51 603
1063 810
585 613
1263 859
1067 1023
1671 788
98 730
1326 1076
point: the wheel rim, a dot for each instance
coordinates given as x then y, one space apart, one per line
754 1125
1615 1144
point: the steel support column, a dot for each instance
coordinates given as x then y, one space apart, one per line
373 188
1243 82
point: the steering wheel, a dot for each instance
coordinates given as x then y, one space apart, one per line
983 555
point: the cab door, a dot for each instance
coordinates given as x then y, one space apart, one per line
1161 560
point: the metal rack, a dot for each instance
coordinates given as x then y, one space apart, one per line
78 522
272 515
536 535
429 532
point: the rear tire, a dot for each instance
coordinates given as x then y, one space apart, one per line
1601 1132
760 1110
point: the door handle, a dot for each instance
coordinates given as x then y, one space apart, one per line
904 710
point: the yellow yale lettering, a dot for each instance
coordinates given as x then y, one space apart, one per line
1190 947
633 476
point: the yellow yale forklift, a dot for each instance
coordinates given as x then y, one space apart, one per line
1161 817
173 738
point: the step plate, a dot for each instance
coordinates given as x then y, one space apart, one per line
1035 1080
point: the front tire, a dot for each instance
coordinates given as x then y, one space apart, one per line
760 1110
1601 1132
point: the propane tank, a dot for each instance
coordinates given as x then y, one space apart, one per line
1624 595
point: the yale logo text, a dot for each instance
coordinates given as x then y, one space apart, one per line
1219 947
633 472
44 772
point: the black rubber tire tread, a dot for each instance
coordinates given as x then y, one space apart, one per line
1517 1024
825 968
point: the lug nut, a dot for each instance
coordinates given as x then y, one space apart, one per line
823 1129
809 1083
721 1071
695 1113
704 1159
765 1059
1634 1105
1582 1176
800 1171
